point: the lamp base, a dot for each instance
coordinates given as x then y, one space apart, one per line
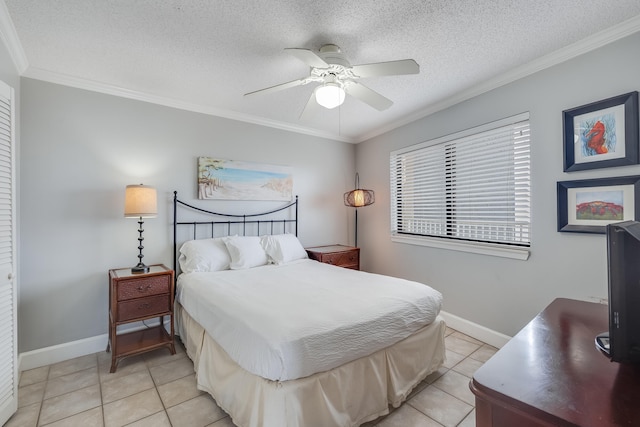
140 268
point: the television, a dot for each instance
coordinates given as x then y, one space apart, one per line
622 342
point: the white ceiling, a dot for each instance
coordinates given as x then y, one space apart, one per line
203 55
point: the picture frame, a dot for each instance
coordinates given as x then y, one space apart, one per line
588 205
601 134
223 179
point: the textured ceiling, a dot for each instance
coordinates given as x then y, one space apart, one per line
204 55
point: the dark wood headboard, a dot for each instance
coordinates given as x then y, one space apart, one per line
207 224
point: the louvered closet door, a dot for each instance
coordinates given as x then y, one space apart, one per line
8 297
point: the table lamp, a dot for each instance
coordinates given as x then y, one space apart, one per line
140 201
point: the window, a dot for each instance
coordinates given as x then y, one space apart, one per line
471 190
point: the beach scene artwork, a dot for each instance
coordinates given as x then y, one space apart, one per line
222 179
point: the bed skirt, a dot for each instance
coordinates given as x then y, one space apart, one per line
346 396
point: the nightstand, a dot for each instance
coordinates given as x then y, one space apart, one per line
134 297
340 255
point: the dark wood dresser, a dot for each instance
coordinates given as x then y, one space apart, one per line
134 297
551 374
340 255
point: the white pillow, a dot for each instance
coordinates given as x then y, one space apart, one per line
283 248
246 252
204 255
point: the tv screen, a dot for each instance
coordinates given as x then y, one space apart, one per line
623 261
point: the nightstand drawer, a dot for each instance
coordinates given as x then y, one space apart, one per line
338 255
342 259
136 288
143 307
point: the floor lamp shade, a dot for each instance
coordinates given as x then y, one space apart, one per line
358 198
140 201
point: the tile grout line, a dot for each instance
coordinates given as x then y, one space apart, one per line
46 383
104 421
155 385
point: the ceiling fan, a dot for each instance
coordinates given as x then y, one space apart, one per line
337 77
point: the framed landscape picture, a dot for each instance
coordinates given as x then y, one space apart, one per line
223 179
587 206
601 134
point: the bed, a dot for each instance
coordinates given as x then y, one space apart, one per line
280 340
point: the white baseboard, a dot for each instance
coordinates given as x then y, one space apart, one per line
70 350
61 352
474 330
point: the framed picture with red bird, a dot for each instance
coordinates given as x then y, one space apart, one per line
602 134
588 205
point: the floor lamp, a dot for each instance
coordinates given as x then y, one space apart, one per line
140 201
358 198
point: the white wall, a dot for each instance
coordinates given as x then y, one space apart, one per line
497 293
79 151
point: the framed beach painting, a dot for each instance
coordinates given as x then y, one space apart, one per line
587 206
601 134
222 179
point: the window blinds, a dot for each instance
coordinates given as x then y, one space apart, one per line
474 185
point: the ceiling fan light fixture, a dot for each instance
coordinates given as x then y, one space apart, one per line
330 95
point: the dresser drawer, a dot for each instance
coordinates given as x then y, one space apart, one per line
143 307
147 286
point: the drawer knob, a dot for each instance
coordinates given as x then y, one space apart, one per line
143 306
144 288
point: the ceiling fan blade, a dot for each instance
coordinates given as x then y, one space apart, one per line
311 108
279 87
308 57
391 68
368 96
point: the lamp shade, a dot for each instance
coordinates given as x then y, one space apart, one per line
140 201
359 197
330 95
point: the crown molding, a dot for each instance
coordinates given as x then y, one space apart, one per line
9 37
90 85
559 56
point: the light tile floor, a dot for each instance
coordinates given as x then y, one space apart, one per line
157 389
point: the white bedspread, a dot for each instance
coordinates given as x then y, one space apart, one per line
283 322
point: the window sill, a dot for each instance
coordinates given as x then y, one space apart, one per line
518 253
